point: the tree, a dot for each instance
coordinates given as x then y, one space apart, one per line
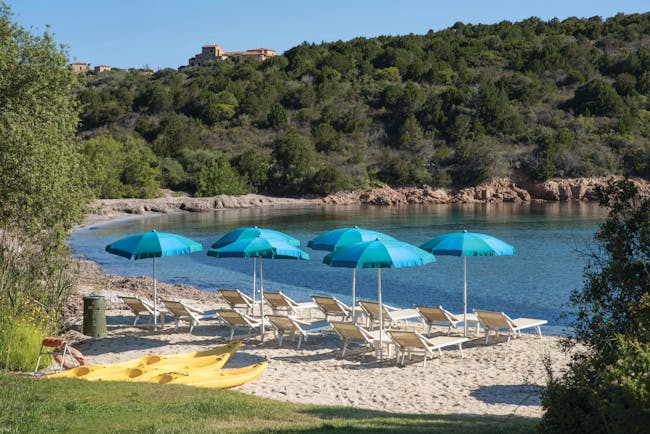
296 162
607 387
172 174
176 133
618 278
126 168
105 161
140 174
472 163
597 98
218 177
277 117
155 98
42 191
253 167
326 138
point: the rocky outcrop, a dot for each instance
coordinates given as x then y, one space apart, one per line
384 196
107 207
496 190
576 188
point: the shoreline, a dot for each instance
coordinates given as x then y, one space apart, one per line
96 221
497 190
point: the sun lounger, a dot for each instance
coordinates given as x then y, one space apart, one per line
181 311
286 324
331 306
349 332
141 307
280 302
235 319
390 315
238 300
500 321
437 315
408 341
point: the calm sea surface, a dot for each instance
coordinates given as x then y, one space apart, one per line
550 242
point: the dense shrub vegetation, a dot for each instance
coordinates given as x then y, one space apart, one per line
607 388
533 99
42 188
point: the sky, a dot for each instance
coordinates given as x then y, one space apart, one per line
166 33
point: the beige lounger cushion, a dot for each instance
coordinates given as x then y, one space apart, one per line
500 321
411 340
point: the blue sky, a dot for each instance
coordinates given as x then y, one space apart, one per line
165 33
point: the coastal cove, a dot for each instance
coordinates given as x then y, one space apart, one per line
550 241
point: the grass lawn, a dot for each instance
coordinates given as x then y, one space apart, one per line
67 405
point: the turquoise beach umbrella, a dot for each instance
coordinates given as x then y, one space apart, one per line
344 237
259 247
254 232
379 254
153 245
467 244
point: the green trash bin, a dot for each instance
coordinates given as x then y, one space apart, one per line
94 324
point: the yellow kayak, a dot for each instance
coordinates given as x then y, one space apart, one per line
146 374
222 379
230 348
153 365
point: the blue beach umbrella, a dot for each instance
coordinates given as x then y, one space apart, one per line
259 247
379 254
344 237
254 232
467 244
153 245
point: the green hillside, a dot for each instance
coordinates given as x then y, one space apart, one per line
529 100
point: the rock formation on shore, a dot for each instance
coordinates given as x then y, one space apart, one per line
496 190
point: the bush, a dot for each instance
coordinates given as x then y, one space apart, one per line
253 166
296 163
218 177
613 398
20 342
472 163
121 169
597 98
607 387
172 174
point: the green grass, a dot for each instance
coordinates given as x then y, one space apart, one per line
67 405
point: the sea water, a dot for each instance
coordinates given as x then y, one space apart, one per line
552 243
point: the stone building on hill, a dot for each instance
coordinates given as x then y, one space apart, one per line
80 67
215 52
102 68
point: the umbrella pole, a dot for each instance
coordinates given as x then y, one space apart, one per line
155 296
354 301
465 296
261 303
254 286
381 317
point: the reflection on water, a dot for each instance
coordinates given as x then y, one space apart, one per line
551 241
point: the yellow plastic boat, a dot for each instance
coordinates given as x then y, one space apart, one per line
222 379
149 366
146 374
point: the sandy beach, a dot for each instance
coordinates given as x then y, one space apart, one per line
493 379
